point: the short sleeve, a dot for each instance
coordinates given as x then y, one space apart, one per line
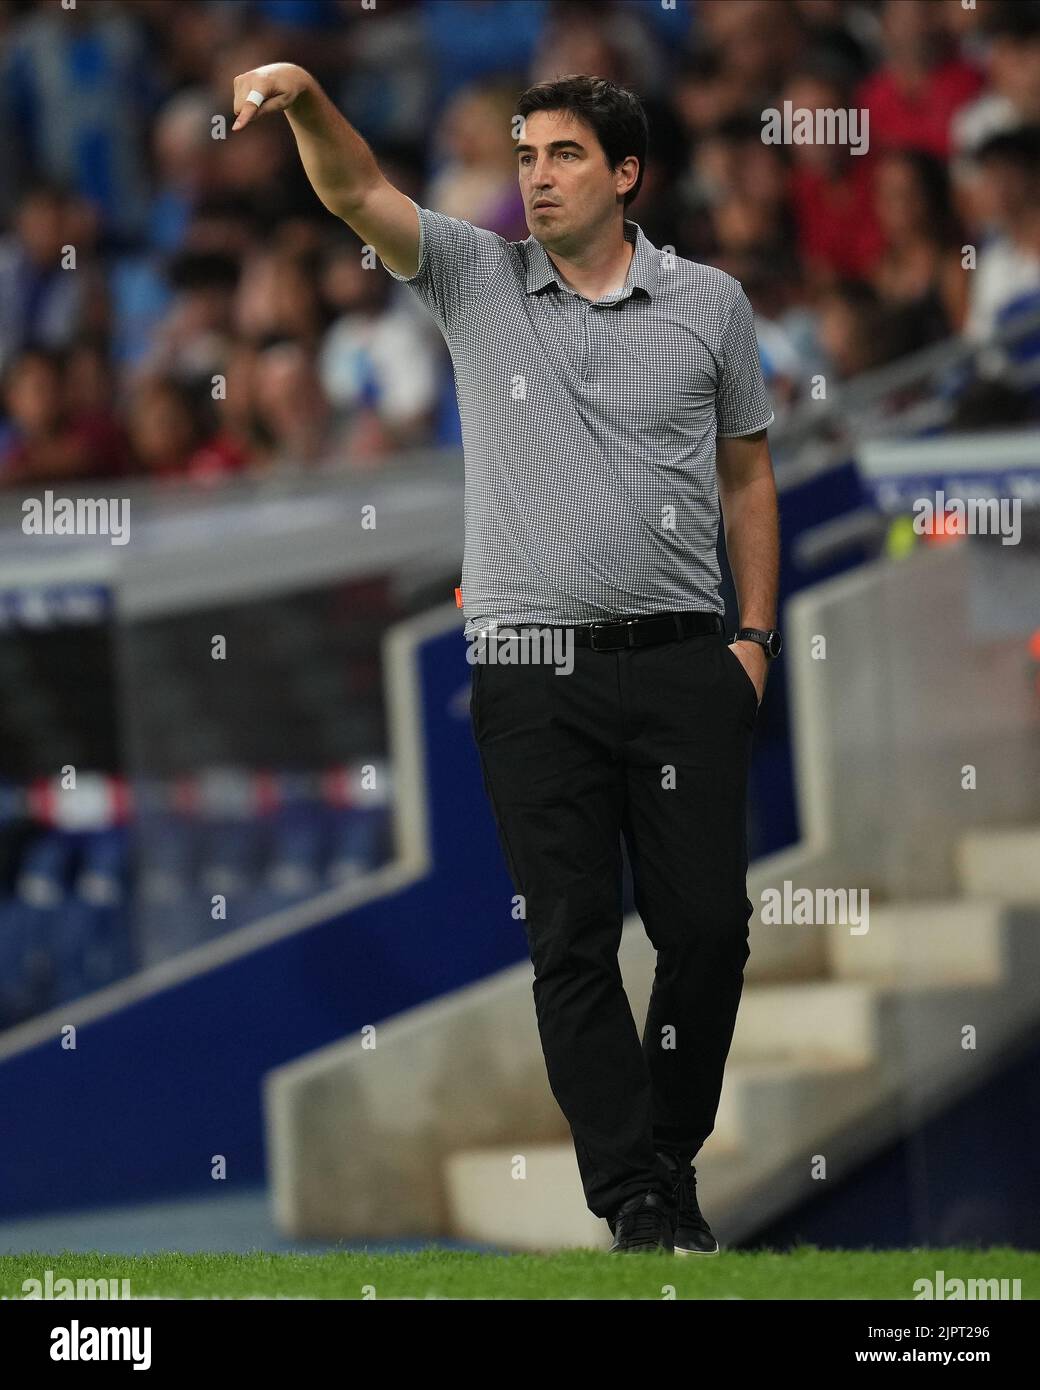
741 401
456 260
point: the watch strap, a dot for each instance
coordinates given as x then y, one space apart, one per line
768 638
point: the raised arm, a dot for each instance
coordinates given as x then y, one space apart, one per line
338 162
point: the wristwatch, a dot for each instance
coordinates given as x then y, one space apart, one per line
771 639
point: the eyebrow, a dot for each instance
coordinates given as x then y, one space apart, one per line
552 145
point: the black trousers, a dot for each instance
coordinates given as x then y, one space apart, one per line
651 743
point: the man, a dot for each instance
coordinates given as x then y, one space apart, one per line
1008 276
602 383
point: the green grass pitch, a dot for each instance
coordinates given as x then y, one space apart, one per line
804 1272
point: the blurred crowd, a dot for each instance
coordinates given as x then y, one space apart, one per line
176 303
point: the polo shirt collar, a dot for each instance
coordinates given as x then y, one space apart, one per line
642 273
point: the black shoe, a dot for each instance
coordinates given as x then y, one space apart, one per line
643 1223
692 1233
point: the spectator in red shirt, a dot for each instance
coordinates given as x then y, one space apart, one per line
45 440
912 98
90 390
171 438
831 193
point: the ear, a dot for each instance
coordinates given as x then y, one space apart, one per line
627 174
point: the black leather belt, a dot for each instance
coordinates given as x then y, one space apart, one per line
617 633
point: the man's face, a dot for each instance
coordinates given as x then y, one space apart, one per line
1006 189
566 185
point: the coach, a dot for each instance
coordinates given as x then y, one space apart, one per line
610 395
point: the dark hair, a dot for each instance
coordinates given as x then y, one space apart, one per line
699 65
737 129
52 190
1019 21
613 112
53 358
933 182
189 270
819 65
1019 146
193 399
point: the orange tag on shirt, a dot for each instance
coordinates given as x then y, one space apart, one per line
458 597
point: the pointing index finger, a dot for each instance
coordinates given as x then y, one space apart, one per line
250 106
249 110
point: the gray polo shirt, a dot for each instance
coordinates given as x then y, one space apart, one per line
588 427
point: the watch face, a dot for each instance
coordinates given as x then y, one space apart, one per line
775 643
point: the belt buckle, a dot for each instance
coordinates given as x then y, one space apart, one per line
615 646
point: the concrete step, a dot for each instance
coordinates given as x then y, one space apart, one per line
778 1114
831 1019
903 1055
777 1106
529 1196
544 1209
916 1033
539 1206
932 943
1000 863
